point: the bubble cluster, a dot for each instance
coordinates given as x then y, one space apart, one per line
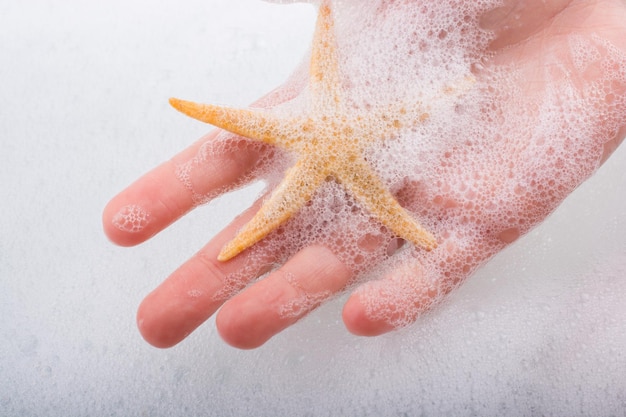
483 162
131 218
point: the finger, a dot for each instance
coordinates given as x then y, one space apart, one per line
192 293
395 301
161 196
252 317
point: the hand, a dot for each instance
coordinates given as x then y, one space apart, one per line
548 108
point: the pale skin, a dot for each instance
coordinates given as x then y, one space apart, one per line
251 317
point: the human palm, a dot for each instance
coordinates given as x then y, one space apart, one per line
547 108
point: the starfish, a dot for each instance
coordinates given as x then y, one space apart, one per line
329 140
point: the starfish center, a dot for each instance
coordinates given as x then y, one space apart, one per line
329 141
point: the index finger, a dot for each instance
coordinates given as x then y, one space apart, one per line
167 192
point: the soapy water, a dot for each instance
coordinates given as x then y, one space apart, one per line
490 161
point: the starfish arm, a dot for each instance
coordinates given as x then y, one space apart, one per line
291 194
364 184
253 124
324 67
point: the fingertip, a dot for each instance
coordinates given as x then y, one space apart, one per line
233 326
155 327
359 322
146 207
127 225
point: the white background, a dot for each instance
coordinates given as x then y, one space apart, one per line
541 330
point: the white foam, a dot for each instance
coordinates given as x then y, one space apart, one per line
131 218
492 156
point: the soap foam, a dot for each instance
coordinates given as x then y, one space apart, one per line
131 218
493 157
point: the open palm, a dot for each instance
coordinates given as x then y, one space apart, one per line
548 107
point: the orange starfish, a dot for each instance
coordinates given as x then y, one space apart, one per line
330 141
